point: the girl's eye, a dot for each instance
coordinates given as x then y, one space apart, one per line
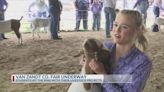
121 26
124 27
115 24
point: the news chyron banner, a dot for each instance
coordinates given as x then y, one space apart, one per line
70 78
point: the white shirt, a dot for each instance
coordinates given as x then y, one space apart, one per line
39 6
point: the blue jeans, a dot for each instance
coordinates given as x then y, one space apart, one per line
54 26
96 21
2 17
81 15
156 11
142 8
109 17
41 14
54 22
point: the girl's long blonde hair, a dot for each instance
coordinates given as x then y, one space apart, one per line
141 41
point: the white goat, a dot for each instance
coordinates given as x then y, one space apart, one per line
11 25
37 23
92 49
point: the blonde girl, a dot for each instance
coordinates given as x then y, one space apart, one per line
127 53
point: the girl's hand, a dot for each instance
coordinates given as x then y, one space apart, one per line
97 67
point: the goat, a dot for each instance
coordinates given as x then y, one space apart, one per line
92 49
38 23
11 25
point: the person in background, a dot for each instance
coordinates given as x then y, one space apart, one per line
55 12
82 7
61 8
142 6
157 6
127 53
109 9
3 8
40 6
96 8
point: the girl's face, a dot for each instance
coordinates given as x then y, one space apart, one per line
124 29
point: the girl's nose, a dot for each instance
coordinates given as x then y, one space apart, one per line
118 29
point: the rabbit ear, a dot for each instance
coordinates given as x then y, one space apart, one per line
79 54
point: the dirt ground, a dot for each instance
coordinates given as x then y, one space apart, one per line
45 56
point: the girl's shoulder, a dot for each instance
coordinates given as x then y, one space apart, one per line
141 56
137 58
